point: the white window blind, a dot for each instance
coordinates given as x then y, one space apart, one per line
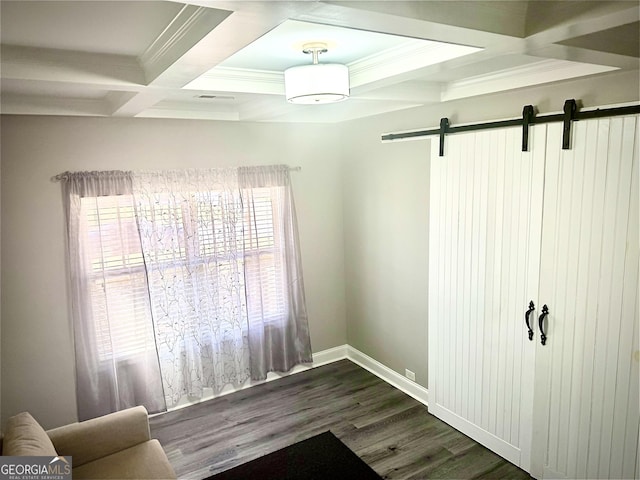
119 296
263 260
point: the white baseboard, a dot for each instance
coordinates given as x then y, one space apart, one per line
330 355
325 357
381 371
388 375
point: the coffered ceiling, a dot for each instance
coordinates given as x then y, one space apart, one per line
225 60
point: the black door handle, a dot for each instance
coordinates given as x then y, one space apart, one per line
527 314
543 336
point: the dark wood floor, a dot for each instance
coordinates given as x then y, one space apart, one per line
389 430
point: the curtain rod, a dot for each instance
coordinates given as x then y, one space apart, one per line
64 175
529 117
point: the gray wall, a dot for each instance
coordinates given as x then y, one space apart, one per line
386 212
37 351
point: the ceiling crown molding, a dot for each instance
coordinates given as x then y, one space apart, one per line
413 55
536 73
188 27
227 79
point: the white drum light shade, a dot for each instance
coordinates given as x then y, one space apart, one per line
317 83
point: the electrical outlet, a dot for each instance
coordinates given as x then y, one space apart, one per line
410 375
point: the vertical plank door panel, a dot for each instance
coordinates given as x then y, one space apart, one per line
485 222
586 388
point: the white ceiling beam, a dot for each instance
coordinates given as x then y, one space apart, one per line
130 104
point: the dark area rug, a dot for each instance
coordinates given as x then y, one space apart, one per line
318 458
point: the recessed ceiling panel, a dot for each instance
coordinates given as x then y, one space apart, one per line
622 40
281 48
371 56
121 28
51 89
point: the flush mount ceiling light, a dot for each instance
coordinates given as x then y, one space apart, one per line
316 83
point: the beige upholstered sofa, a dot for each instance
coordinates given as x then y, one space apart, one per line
118 445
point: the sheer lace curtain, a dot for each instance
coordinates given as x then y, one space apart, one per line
209 266
190 224
225 280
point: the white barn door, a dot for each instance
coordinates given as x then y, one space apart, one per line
485 224
587 401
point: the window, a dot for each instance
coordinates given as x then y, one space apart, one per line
196 236
181 280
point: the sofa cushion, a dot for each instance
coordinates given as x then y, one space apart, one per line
24 436
144 461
